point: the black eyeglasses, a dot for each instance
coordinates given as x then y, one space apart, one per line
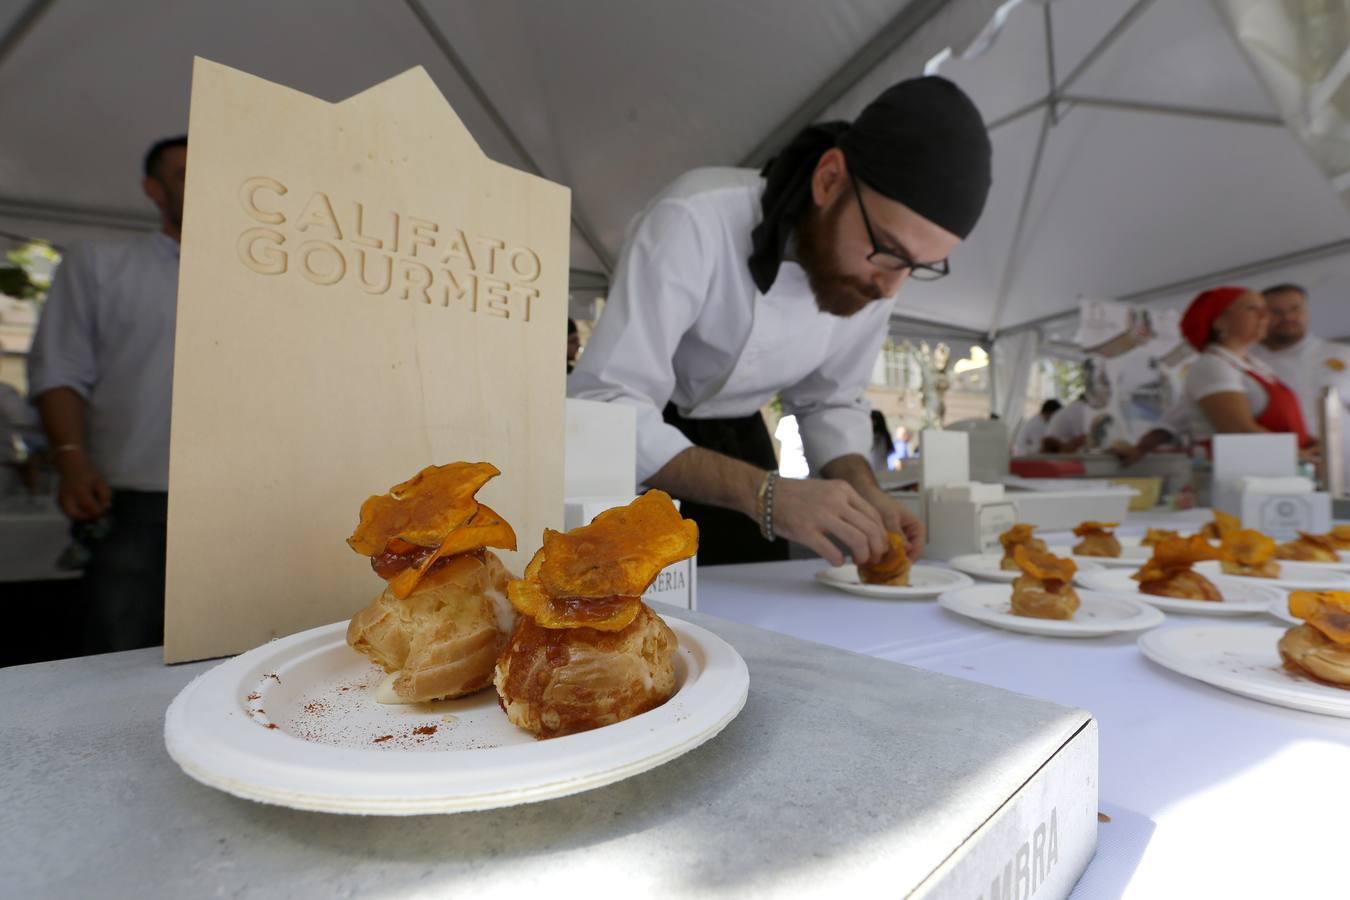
890 259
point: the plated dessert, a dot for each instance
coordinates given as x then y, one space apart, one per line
1168 572
1244 551
1155 536
1097 539
892 569
1044 590
1320 647
569 647
443 616
1309 548
587 651
1020 534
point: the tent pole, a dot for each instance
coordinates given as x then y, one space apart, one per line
1121 26
103 217
579 220
1053 96
1016 114
22 26
1308 254
1193 112
885 42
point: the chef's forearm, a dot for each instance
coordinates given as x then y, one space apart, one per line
705 476
853 468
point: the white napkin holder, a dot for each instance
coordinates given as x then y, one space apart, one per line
961 516
1256 479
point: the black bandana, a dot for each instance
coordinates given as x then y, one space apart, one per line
921 143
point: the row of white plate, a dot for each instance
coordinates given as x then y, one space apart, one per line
1243 659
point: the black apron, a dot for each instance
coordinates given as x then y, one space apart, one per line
724 535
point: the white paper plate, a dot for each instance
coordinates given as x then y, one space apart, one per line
1133 555
1293 576
1097 615
924 582
1240 598
987 566
295 723
1342 565
1242 659
1279 608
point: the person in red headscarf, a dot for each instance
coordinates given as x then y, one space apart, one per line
1232 391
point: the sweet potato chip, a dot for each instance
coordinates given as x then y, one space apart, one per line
422 510
1156 536
889 566
1174 555
1045 566
1341 535
1086 528
1247 547
620 552
1327 611
1226 523
1020 533
484 528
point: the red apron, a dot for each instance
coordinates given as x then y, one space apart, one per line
1282 413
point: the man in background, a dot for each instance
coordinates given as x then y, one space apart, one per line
1033 430
1305 362
100 372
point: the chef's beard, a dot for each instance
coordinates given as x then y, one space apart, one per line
837 292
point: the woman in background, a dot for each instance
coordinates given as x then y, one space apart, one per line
1232 392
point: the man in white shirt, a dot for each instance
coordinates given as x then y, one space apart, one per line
1084 423
100 372
1304 362
733 287
1033 429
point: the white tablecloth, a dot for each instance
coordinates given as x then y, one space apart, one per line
1210 794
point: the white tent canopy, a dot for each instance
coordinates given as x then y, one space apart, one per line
1164 163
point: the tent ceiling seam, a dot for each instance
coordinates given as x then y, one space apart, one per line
1122 25
1194 112
22 27
857 67
433 31
1010 267
1307 254
1052 98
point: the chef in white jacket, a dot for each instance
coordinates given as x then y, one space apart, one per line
735 286
1305 362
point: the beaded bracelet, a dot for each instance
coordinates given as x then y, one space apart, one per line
766 505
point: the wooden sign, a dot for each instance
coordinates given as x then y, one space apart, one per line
362 294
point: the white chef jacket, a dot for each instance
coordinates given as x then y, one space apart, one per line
1029 438
1069 422
684 322
1307 367
1219 371
107 332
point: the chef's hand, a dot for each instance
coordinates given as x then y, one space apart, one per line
812 511
897 517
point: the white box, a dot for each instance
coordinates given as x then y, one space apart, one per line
962 526
1282 516
1066 506
600 453
1038 842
